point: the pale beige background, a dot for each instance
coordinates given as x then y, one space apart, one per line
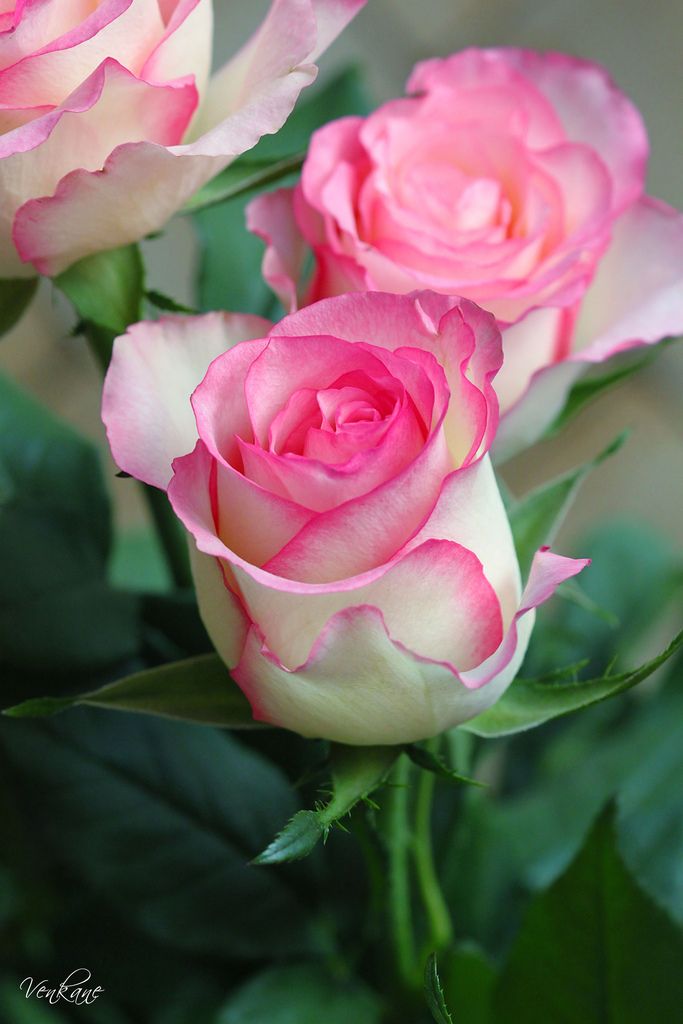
641 43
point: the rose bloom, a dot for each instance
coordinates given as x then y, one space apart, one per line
352 556
109 121
513 178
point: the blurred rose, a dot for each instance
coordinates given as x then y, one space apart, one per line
510 177
354 564
98 98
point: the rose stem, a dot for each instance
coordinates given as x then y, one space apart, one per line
399 842
438 917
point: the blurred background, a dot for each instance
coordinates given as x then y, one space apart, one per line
639 42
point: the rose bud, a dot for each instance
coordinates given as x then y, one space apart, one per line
352 555
513 178
110 121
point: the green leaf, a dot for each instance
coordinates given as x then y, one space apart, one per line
434 993
56 609
15 297
432 762
194 690
650 803
593 948
245 175
528 703
162 818
536 518
469 983
586 390
106 289
230 265
301 994
356 773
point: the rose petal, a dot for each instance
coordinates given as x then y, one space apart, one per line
154 370
453 615
122 30
109 107
360 687
441 325
252 97
185 48
35 25
222 612
637 294
636 298
593 111
229 516
271 217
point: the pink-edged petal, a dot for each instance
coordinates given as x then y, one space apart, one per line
221 422
123 30
539 339
322 485
548 571
453 615
154 369
109 107
357 686
251 98
463 338
332 17
636 296
593 111
185 48
527 420
38 23
367 532
271 217
223 614
230 517
487 533
335 274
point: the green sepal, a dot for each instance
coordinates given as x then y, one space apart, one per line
166 304
356 772
436 1000
432 762
531 702
107 289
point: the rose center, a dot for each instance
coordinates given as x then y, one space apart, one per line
332 423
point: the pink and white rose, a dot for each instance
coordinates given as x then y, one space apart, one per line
110 120
513 178
352 556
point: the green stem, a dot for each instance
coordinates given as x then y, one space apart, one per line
438 916
169 531
399 843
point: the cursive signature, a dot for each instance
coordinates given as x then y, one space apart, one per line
72 990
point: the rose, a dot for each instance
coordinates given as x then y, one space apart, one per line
513 178
104 137
354 564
